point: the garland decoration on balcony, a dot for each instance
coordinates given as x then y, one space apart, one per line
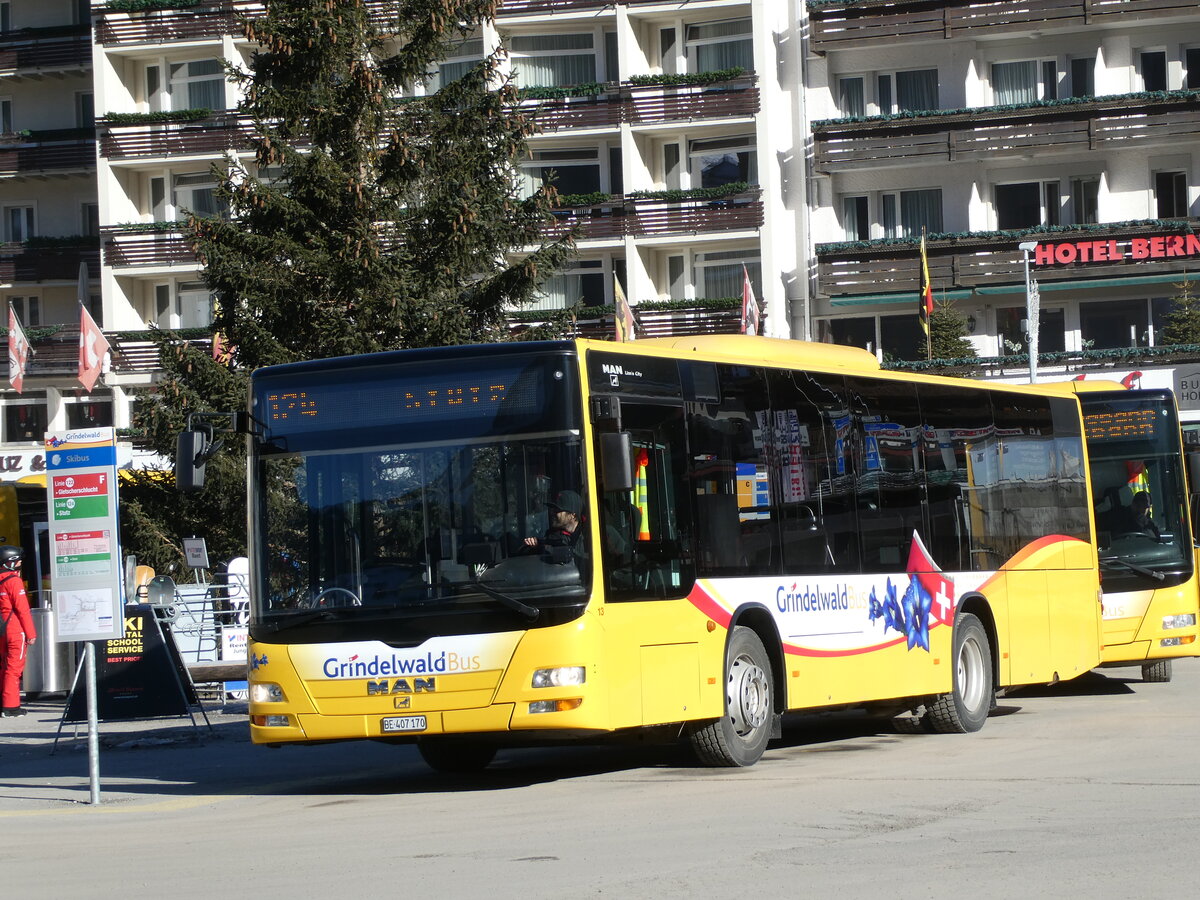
714 193
1063 102
693 78
1015 234
185 334
1018 360
35 334
144 227
152 118
586 89
130 6
718 304
592 199
70 241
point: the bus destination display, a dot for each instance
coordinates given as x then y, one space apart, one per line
1120 425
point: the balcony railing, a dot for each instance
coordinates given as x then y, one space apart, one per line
47 151
213 135
870 23
126 249
650 323
627 217
982 260
31 50
1103 123
30 263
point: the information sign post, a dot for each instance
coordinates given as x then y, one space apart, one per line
85 554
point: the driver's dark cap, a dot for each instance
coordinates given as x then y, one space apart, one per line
568 501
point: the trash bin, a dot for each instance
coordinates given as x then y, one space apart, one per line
50 666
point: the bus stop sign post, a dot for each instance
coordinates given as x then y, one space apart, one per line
85 557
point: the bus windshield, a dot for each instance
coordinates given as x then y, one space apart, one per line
441 519
1142 527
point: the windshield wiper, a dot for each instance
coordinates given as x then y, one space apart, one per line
282 619
529 612
1133 567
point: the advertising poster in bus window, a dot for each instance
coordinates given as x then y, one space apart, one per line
85 556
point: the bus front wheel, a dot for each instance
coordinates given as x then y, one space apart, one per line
966 707
1157 672
455 756
740 736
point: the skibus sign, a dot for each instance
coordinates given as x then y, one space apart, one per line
81 495
1160 246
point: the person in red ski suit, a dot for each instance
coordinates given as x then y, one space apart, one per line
18 630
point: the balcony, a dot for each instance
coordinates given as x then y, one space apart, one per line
37 52
124 248
646 217
47 259
872 23
213 135
1123 122
48 152
981 261
598 322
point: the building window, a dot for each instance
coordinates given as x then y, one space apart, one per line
849 332
1153 67
1011 330
1024 82
909 213
195 303
1085 200
26 419
199 84
90 413
553 60
165 315
28 310
580 284
85 110
197 194
18 223
723 161
1113 324
856 219
1191 64
6 122
715 46
5 17
719 275
914 90
1083 76
901 337
851 101
571 171
1027 204
457 63
89 216
1170 194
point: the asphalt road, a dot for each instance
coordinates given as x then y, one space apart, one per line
1086 789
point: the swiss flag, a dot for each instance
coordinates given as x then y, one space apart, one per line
750 313
93 347
922 567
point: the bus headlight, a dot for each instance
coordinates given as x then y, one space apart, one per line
545 706
266 692
563 676
1184 621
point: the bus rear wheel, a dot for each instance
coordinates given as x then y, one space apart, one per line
1157 672
455 756
966 707
740 736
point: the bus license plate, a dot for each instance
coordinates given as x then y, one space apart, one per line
393 724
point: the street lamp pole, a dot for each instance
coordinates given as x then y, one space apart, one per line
1032 311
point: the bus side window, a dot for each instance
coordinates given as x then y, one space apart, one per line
736 524
818 525
889 478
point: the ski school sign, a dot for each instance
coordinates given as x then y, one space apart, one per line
1161 246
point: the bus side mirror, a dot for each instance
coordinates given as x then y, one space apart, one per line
191 453
616 461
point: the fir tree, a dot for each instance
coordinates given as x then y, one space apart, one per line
1183 321
369 220
948 333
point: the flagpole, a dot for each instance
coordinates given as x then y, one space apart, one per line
926 291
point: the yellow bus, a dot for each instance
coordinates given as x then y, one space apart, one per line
1139 483
682 538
